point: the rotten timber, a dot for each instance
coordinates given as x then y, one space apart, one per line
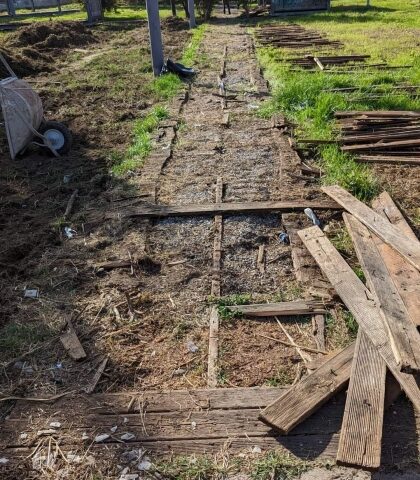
300 307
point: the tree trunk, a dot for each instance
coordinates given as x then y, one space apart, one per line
173 7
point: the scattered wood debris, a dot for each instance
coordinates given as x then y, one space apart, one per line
72 343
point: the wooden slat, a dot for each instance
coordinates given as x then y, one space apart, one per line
217 243
381 145
360 303
151 211
383 229
403 335
304 398
318 327
361 431
405 277
212 369
388 159
300 307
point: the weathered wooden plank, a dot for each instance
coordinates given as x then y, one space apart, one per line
361 431
212 367
98 374
72 344
298 307
381 145
388 233
217 243
388 159
405 277
403 335
150 211
360 302
318 330
304 398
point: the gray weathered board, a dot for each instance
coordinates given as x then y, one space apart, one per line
194 421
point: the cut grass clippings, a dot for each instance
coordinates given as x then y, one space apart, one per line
305 98
164 87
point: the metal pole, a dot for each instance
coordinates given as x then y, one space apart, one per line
192 15
155 36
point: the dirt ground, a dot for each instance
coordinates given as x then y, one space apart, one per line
151 318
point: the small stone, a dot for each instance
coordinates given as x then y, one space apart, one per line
85 436
101 438
41 433
23 436
125 420
114 429
193 425
129 476
128 436
145 465
256 449
192 347
4 460
55 424
179 371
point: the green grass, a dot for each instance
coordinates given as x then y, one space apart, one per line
142 142
238 299
387 32
279 466
16 338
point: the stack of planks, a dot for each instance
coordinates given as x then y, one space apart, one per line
381 136
292 36
387 310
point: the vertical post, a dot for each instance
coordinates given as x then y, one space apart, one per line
192 14
173 8
11 8
155 36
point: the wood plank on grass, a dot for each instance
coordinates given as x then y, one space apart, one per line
390 234
150 210
360 302
212 366
403 335
361 431
299 307
388 159
405 277
304 398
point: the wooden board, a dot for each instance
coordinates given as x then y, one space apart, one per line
403 335
361 431
150 211
360 302
299 307
304 398
405 277
71 343
217 243
212 369
388 159
388 233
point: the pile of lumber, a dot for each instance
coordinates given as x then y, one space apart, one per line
381 136
292 36
386 355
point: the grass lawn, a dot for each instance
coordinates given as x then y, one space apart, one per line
388 31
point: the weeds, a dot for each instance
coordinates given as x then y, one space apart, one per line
16 337
278 465
142 143
239 299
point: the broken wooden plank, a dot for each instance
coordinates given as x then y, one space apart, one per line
381 145
212 368
150 211
361 431
388 233
298 307
70 204
261 259
72 344
98 374
388 159
217 243
403 335
318 330
405 277
304 398
360 302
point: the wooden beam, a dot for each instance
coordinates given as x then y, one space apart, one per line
388 233
403 335
390 159
361 431
212 368
405 277
299 307
381 145
217 243
304 398
150 211
360 302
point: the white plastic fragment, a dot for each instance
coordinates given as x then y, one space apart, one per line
55 424
114 429
311 215
193 425
125 420
69 232
23 436
101 438
127 436
256 449
85 436
31 293
192 347
145 465
4 460
129 476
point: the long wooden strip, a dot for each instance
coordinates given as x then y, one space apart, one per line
377 224
361 431
360 303
403 335
149 210
388 159
405 277
300 307
217 244
378 113
212 365
304 398
381 145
